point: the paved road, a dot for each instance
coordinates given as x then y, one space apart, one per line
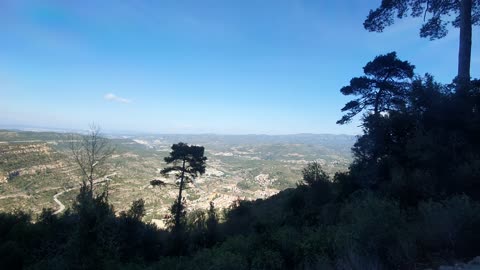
57 201
62 206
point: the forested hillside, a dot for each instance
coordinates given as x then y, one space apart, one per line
407 198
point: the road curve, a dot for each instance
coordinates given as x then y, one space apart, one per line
62 206
57 201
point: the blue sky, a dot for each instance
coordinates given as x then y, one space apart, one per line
230 67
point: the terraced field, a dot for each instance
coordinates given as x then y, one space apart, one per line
36 166
31 173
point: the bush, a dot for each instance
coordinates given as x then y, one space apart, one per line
374 229
137 210
313 173
451 226
219 259
267 259
314 248
232 254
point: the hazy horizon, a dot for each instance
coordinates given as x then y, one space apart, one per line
144 133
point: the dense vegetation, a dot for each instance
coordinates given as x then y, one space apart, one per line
410 200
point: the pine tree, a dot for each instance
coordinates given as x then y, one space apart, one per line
187 161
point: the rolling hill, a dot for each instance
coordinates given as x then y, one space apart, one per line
34 166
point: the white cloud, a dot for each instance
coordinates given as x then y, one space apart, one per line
113 97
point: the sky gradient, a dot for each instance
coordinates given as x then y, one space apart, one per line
228 67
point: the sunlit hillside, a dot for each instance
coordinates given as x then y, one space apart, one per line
37 165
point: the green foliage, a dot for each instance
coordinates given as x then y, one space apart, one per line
219 258
137 210
383 88
177 210
411 195
376 229
193 163
267 259
313 174
434 28
449 226
192 157
412 153
462 14
212 233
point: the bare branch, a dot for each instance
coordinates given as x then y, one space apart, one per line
90 153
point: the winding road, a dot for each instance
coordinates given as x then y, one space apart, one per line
57 201
62 206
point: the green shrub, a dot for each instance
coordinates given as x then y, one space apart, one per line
451 226
267 259
218 259
314 248
374 229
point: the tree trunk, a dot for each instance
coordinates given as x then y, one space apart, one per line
465 46
91 187
179 202
376 108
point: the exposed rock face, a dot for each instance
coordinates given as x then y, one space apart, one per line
213 172
3 178
160 223
264 179
16 149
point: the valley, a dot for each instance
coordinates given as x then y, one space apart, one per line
37 171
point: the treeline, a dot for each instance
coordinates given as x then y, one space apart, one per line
410 200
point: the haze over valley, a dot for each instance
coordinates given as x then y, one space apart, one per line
35 166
